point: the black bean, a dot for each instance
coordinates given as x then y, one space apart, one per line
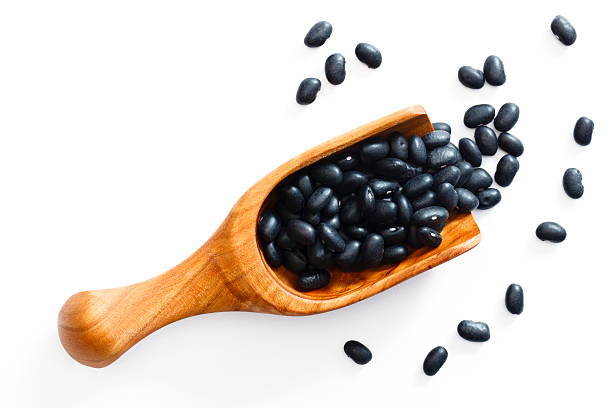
471 77
356 231
447 196
372 250
437 138
311 218
348 259
283 241
427 199
352 181
394 254
294 260
510 144
506 170
474 331
269 225
284 213
357 352
393 235
332 208
334 69
551 231
449 174
318 255
272 254
375 148
331 238
429 237
366 201
441 126
454 146
572 183
383 188
433 217
514 299
418 185
443 156
479 180
303 182
467 201
307 91
399 146
391 167
411 237
417 150
466 172
318 34
563 30
494 71
292 197
486 140
347 161
435 360
470 151
369 55
583 131
404 208
349 211
301 232
384 215
313 279
328 174
319 199
489 198
478 115
334 222
507 116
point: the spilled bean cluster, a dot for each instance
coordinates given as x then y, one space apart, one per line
370 204
493 72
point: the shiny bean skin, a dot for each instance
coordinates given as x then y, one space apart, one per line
318 255
347 161
583 131
369 55
393 235
417 150
470 151
514 299
466 172
283 241
268 226
348 259
563 30
384 215
301 232
434 360
292 197
335 71
471 77
359 353
449 174
404 208
411 238
331 238
272 254
375 148
313 279
427 199
429 237
366 201
437 138
486 140
349 212
433 217
488 198
572 183
304 183
507 116
494 71
391 167
510 144
312 218
479 115
479 180
551 231
418 185
443 156
332 208
446 196
319 199
441 126
318 34
399 146
352 181
507 167
307 91
467 201
372 250
394 254
357 232
294 260
334 222
474 331
328 174
383 188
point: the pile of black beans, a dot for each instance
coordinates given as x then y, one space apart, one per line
370 204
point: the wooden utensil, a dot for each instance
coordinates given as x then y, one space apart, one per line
229 272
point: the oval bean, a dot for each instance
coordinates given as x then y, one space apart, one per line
319 199
417 150
335 70
489 198
474 331
318 34
404 208
427 199
572 183
394 254
466 200
372 250
292 197
551 231
486 140
437 138
441 126
399 146
471 77
429 237
466 172
507 167
374 148
470 151
328 174
514 299
494 71
272 254
393 235
449 174
269 225
447 196
331 238
434 360
369 55
507 117
313 279
478 115
479 180
383 188
510 144
583 131
348 259
366 200
385 214
307 91
301 232
433 217
357 352
418 185
563 30
443 156
294 260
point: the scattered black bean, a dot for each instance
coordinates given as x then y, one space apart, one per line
449 174
433 217
418 185
514 299
369 55
583 131
471 77
391 167
510 144
470 151
506 170
393 235
269 226
489 198
506 117
435 360
447 196
357 352
335 71
374 149
479 115
551 231
384 188
466 172
429 237
313 279
437 138
486 140
318 34
467 201
474 331
319 199
441 126
563 30
307 91
479 181
394 254
494 71
443 156
272 254
427 199
572 183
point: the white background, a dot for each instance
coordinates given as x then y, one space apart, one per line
129 128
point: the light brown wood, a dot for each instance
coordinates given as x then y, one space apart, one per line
229 272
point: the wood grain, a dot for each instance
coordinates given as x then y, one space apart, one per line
229 273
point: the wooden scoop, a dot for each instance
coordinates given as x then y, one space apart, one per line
229 271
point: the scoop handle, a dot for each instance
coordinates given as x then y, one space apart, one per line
96 327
